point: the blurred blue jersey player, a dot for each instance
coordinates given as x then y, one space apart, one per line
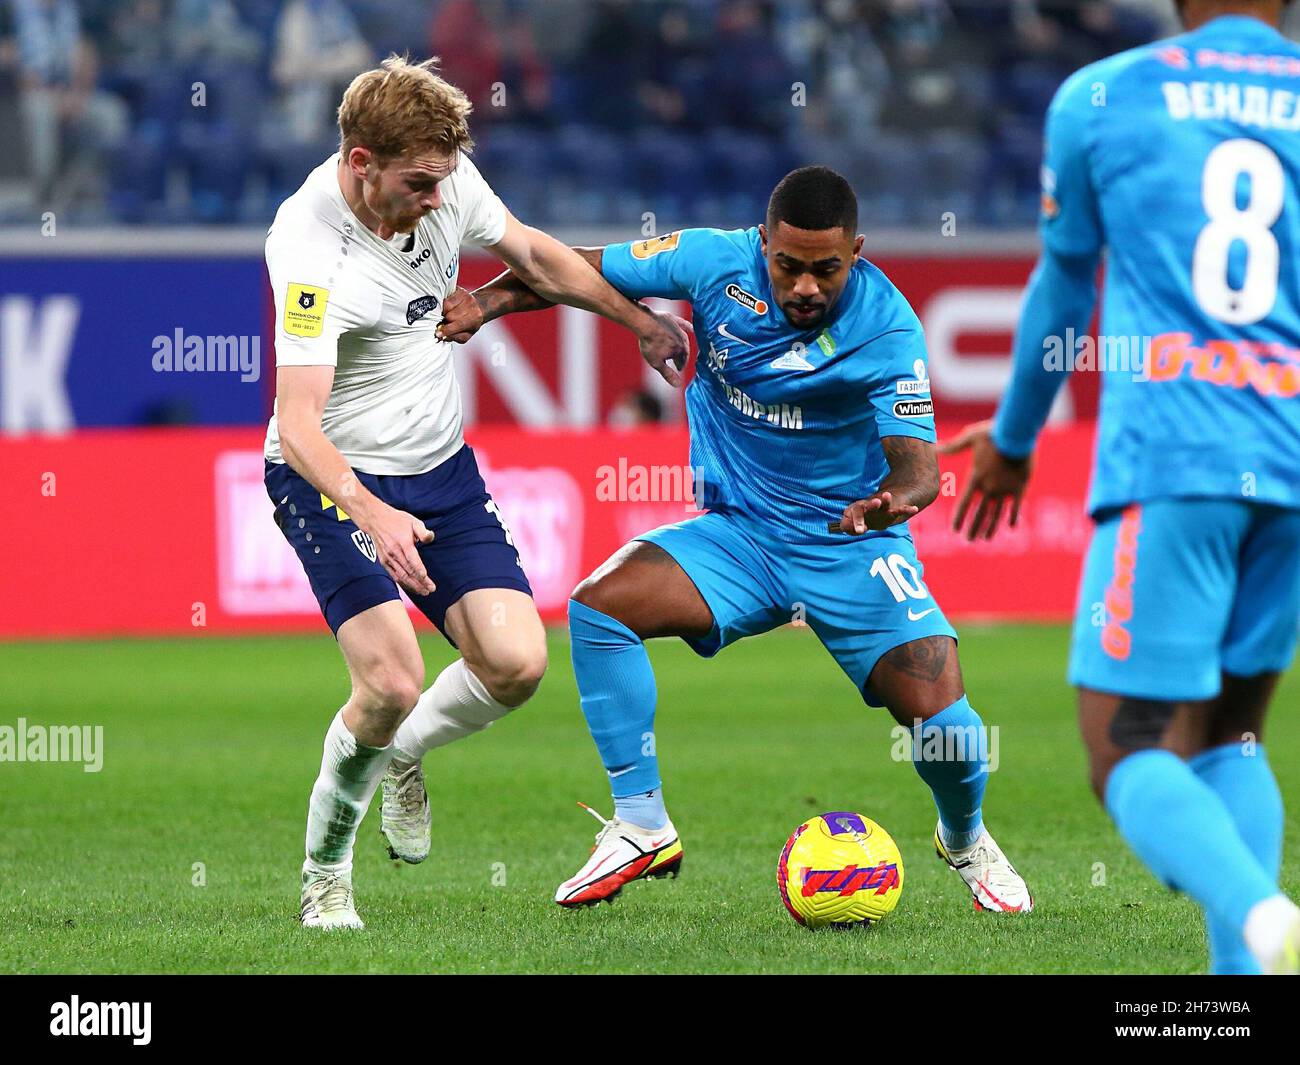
1182 159
812 439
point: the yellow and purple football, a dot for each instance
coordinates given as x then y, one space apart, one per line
839 869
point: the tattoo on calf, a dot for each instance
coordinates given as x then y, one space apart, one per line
923 659
1140 723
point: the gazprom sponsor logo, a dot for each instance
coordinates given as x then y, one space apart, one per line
785 415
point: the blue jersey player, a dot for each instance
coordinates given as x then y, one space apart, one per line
1182 158
812 438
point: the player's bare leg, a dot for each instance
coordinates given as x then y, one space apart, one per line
643 587
1189 788
921 684
503 656
387 672
639 593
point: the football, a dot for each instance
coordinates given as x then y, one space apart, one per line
839 869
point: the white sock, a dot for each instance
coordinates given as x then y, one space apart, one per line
1267 924
349 774
456 705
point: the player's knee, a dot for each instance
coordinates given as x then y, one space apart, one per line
388 694
593 593
513 678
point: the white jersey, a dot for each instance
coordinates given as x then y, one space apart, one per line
369 307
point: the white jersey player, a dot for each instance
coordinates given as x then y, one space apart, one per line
372 481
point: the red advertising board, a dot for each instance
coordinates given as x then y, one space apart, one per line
169 531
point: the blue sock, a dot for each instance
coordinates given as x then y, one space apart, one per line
1247 787
645 809
617 688
952 758
1184 833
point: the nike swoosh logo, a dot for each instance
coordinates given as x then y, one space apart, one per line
620 772
913 616
723 331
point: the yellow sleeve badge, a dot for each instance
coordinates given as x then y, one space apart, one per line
646 249
304 310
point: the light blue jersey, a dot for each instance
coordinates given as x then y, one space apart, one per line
1182 158
785 424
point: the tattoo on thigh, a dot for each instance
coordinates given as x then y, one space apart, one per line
923 659
1140 723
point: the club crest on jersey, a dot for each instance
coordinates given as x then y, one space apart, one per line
647 249
365 545
746 299
919 385
913 408
419 307
792 360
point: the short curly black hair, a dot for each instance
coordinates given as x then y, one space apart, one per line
814 197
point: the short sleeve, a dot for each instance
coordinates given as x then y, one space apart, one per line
311 310
482 212
1070 223
900 391
667 266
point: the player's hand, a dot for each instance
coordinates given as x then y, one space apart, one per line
877 512
395 534
462 316
994 478
666 345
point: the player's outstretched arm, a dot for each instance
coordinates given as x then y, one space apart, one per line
1058 304
300 396
911 486
559 274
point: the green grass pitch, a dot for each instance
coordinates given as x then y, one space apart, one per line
182 854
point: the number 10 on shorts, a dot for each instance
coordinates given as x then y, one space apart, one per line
900 577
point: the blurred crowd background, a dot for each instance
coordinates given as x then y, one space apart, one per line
586 111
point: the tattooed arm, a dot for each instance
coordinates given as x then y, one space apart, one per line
912 485
465 312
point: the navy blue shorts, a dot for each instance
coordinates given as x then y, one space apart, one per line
471 548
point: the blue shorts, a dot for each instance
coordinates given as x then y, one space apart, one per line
862 597
471 548
1176 592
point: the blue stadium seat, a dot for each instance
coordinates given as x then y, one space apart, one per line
744 169
954 163
591 167
670 173
517 162
216 158
891 167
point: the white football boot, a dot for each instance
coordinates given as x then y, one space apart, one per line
623 852
404 816
327 901
993 881
1272 935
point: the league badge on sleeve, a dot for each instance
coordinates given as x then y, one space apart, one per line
304 310
647 249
